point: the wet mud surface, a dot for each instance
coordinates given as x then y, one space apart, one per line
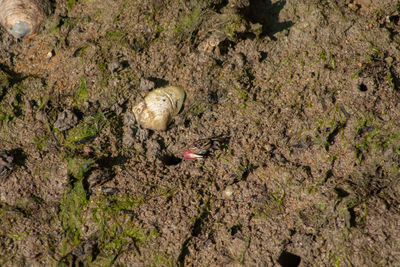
305 94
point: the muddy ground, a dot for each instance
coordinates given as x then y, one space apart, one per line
305 92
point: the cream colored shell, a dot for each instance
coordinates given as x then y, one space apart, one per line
23 17
159 107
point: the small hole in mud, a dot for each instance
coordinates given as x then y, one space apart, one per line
266 13
341 193
170 160
395 19
234 229
19 156
109 162
352 217
125 64
218 6
186 123
362 87
263 55
224 46
287 259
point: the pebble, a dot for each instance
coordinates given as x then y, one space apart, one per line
66 120
128 129
240 59
41 116
108 191
6 163
389 60
117 109
114 66
228 192
50 54
146 85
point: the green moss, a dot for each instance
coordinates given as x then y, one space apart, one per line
117 231
84 131
81 51
390 80
5 118
235 24
71 4
42 102
322 55
11 103
243 94
73 204
116 35
285 61
373 137
111 217
77 167
102 66
4 79
41 141
82 94
329 125
113 38
159 260
322 206
198 108
333 62
189 22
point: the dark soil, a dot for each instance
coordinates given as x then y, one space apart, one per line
306 92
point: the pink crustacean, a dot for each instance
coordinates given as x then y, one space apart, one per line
204 147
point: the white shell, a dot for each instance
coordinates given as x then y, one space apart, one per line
159 107
23 17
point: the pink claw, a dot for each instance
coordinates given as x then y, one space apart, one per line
188 154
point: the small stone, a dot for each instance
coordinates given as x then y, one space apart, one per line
240 59
228 192
117 109
108 191
50 54
268 147
389 60
353 6
87 150
6 163
142 134
66 120
41 116
127 137
153 149
146 85
98 177
128 129
114 66
129 119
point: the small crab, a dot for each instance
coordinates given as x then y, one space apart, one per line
204 147
212 42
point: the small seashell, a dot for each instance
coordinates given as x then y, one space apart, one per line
228 192
23 17
159 107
